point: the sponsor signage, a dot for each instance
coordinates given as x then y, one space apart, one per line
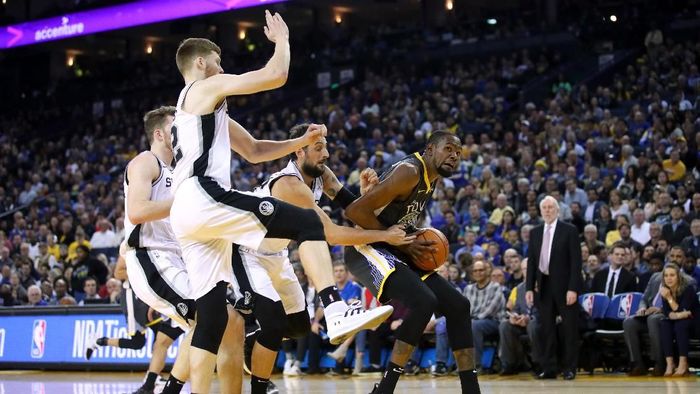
136 13
63 338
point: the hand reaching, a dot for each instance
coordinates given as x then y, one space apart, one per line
276 28
314 134
368 179
395 235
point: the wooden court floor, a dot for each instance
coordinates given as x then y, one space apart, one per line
36 382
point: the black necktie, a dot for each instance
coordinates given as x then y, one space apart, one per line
611 286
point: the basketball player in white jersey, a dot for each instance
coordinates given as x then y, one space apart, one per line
138 321
278 302
153 259
208 216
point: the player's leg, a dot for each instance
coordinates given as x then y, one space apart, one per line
405 285
165 336
285 221
229 363
181 370
262 275
456 309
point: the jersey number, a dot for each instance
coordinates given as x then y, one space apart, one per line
176 148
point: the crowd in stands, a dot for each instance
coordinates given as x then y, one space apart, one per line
622 161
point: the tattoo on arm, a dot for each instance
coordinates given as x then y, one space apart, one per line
332 193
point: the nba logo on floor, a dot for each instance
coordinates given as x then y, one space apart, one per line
38 338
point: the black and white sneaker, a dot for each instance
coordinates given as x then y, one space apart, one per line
356 318
272 388
90 346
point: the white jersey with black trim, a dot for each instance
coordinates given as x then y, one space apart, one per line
276 245
201 144
156 234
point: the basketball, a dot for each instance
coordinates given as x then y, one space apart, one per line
431 261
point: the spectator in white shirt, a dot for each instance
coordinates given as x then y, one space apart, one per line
640 227
104 236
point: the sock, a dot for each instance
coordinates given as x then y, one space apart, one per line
173 386
150 381
391 377
102 341
329 295
258 385
470 383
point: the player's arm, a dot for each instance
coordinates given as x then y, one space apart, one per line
259 151
292 190
399 184
272 76
141 172
120 269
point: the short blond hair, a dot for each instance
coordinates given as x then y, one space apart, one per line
192 48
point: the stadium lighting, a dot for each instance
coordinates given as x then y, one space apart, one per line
149 48
491 21
241 33
613 18
449 5
338 18
70 60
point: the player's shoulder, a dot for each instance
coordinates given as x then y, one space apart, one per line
288 180
405 172
144 161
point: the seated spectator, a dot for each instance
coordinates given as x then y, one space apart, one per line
455 277
640 227
592 268
521 320
90 290
47 293
681 307
487 307
104 236
691 243
590 238
507 223
656 263
604 223
513 263
113 290
614 279
82 267
677 230
34 296
7 295
79 241
19 293
451 229
60 288
470 247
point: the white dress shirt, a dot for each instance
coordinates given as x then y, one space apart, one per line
612 271
551 238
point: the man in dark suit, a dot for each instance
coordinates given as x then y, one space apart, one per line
555 271
614 279
677 229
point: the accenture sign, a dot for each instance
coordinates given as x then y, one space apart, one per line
137 13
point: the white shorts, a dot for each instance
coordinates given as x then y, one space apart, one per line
160 280
207 220
269 275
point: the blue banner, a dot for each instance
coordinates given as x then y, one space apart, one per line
63 338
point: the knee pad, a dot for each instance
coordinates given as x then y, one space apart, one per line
212 318
271 317
137 341
298 325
